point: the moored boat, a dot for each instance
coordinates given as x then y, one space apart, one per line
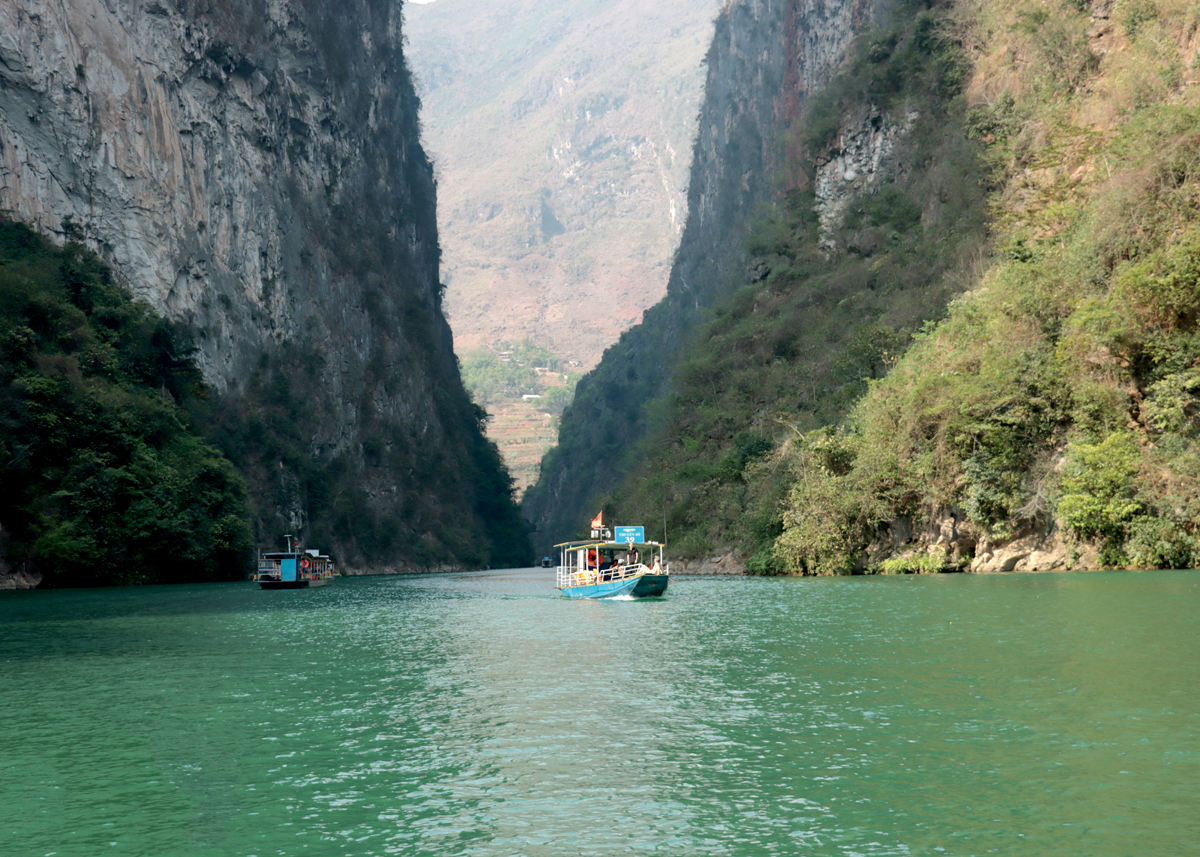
293 568
601 567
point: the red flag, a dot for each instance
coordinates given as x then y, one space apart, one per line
598 521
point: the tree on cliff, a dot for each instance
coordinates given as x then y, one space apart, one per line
104 481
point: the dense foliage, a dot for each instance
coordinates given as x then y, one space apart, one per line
1062 392
104 481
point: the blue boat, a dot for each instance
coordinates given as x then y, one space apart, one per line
602 568
293 568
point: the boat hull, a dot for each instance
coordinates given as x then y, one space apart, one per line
642 586
649 585
293 584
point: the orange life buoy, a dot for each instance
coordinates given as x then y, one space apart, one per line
304 563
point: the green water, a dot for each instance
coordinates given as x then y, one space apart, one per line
482 714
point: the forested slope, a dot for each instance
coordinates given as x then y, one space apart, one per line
1050 421
104 478
983 354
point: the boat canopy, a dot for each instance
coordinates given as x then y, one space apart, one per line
593 543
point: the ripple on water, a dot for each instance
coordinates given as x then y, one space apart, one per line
482 714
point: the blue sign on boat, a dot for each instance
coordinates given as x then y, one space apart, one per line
629 534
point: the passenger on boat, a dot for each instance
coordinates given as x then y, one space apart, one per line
631 557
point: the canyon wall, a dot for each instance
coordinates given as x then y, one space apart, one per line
767 59
253 168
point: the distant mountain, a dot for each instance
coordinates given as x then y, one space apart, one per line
561 136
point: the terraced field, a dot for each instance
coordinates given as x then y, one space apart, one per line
523 435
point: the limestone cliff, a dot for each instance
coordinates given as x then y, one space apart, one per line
253 167
768 57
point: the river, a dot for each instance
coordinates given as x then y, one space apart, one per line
483 714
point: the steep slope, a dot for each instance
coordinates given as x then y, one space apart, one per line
1050 422
766 59
971 342
253 167
561 134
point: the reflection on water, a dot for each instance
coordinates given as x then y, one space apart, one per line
482 714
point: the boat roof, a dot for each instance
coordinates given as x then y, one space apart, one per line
594 543
274 553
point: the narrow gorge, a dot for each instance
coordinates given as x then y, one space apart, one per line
768 59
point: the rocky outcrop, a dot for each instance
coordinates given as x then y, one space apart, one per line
253 168
864 156
768 57
10 578
958 545
730 562
21 579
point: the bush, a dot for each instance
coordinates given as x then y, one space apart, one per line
915 563
1098 499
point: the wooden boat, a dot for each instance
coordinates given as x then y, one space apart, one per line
602 568
293 568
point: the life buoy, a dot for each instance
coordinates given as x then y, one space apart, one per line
304 563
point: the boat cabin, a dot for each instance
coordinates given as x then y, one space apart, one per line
293 566
585 563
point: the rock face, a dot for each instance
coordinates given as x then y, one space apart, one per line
731 563
767 58
11 578
251 167
865 155
205 149
19 579
959 546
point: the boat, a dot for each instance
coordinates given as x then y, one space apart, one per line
547 562
603 567
293 568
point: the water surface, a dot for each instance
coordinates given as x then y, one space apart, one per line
482 714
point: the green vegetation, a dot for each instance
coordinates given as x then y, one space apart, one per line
1006 335
920 563
104 481
793 351
1062 389
507 372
